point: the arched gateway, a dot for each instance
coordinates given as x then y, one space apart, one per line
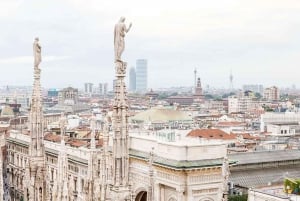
141 196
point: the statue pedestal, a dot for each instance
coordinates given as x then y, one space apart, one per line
120 68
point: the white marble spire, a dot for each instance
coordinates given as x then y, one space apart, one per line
36 117
93 130
225 175
35 169
1 172
62 172
120 180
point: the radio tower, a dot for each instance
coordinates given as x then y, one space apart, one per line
231 81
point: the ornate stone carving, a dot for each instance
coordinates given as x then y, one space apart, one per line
120 67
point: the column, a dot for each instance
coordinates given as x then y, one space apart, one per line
180 194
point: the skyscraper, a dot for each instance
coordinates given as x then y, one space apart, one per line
101 88
88 87
132 79
105 86
141 75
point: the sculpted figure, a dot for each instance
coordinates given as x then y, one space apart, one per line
119 34
37 49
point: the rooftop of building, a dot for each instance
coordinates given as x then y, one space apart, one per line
176 164
274 192
230 123
161 114
265 156
7 111
211 134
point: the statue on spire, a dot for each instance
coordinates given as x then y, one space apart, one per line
119 34
37 52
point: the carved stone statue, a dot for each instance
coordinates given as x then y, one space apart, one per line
119 34
37 50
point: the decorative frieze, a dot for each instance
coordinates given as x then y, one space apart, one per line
204 191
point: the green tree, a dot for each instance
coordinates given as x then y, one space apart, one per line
258 95
209 96
238 197
162 96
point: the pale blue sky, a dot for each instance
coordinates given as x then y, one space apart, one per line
259 40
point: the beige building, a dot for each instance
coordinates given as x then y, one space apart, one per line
241 104
271 93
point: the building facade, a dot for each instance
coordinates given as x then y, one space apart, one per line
68 96
271 93
241 104
88 88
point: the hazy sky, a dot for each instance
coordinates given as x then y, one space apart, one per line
258 40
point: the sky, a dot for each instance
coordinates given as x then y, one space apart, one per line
257 40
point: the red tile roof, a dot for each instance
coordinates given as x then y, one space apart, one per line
210 134
52 137
77 143
250 137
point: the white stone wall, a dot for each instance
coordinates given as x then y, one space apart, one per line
261 196
182 150
272 117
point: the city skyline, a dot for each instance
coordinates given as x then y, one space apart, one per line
256 40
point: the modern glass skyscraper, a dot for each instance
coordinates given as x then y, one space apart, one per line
132 79
141 75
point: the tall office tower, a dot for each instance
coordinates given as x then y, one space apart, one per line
88 87
105 88
231 81
141 75
100 88
132 79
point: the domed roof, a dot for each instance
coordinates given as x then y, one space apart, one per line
161 115
7 111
